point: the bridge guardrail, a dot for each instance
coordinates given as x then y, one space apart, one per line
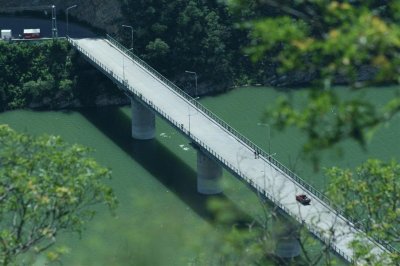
224 125
221 122
228 128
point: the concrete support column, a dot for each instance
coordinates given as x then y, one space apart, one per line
288 248
143 121
287 243
209 174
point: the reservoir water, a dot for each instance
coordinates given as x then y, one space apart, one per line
161 220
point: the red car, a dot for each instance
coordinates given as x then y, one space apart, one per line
303 199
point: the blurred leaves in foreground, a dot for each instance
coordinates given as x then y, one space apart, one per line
46 187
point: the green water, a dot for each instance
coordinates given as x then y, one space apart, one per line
161 220
244 109
160 217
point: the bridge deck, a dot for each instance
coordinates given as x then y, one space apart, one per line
227 148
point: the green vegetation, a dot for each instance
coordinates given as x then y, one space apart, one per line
31 73
336 42
371 194
174 36
47 74
349 42
46 187
255 241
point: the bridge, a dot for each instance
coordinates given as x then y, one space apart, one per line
219 145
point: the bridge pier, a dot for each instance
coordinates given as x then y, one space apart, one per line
209 174
287 243
143 121
287 248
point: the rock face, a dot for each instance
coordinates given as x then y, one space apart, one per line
98 13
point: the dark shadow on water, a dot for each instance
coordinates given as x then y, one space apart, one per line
158 160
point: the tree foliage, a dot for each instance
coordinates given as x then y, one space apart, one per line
331 38
47 74
33 72
355 43
371 194
200 34
256 240
327 119
334 42
46 187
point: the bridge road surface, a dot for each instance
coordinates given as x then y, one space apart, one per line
268 179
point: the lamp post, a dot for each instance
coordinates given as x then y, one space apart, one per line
269 135
195 79
269 147
128 26
190 113
66 11
189 122
54 32
123 64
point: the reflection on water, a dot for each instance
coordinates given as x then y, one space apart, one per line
157 159
155 182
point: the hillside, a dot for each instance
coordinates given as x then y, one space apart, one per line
176 36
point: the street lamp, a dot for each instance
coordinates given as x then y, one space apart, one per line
66 11
269 135
190 113
269 148
195 78
189 122
123 63
54 31
128 26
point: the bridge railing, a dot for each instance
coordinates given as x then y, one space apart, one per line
245 140
236 170
226 127
240 174
221 122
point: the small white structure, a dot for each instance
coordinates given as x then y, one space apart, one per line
6 34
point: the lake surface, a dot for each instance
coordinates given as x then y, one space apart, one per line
161 220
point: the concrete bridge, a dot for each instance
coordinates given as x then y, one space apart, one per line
219 145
